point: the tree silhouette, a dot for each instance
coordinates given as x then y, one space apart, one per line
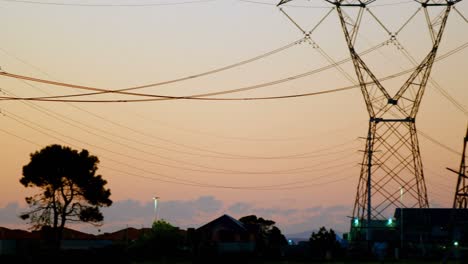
164 240
70 189
324 243
269 239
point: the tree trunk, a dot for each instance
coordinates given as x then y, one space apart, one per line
55 230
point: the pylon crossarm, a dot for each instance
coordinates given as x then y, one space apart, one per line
338 2
437 2
282 2
361 3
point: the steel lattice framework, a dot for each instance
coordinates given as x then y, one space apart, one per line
461 192
392 160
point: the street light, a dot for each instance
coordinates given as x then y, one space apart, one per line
155 216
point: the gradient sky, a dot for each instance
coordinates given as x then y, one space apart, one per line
157 148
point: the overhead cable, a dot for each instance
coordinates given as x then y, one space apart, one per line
196 97
180 181
166 97
189 77
94 131
310 6
202 168
109 5
125 90
202 96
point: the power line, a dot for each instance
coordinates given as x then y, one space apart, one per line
180 79
210 169
179 181
289 5
185 78
84 127
230 156
108 5
204 97
321 7
165 97
283 186
22 138
240 138
438 143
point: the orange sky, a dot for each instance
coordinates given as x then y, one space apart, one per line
213 142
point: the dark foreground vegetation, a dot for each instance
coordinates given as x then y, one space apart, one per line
70 190
167 244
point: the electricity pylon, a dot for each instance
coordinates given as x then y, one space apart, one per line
461 192
392 166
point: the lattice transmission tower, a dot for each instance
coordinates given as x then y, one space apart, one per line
392 165
461 192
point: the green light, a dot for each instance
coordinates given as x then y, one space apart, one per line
390 222
455 243
356 222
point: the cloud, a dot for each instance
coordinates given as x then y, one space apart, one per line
9 216
240 208
182 213
313 218
199 211
297 220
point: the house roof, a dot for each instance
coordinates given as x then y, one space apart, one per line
71 234
124 234
227 221
74 234
14 234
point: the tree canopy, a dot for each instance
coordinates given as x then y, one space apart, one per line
162 240
324 243
269 238
70 188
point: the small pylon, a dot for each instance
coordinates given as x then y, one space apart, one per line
461 192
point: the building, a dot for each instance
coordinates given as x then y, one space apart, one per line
432 229
224 235
421 232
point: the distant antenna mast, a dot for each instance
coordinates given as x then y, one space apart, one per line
461 192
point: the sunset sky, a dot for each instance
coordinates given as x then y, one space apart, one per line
293 160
